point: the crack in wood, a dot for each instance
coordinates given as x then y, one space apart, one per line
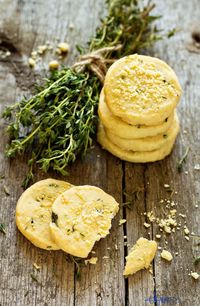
152 233
7 45
124 199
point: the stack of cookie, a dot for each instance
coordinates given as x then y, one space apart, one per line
137 109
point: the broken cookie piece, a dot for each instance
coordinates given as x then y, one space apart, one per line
140 256
83 216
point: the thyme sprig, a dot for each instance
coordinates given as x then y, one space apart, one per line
58 123
78 263
2 228
132 197
126 25
182 160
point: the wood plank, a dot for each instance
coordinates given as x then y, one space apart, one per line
171 279
176 282
141 285
99 283
56 277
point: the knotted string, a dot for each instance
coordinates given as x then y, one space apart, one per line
96 61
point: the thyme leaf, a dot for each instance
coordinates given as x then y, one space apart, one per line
79 263
197 260
2 176
6 190
132 197
128 204
2 228
171 32
26 293
34 278
182 160
54 218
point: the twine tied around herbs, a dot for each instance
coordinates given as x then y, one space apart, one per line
96 61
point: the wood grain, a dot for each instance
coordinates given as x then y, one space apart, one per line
173 280
23 26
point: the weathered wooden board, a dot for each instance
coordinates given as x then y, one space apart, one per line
23 26
173 280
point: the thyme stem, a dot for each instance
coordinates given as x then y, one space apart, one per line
182 160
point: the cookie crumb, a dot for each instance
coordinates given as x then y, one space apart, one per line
122 221
195 275
166 255
36 266
53 65
31 62
92 261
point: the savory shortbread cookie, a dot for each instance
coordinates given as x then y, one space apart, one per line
140 256
147 143
33 211
81 216
124 130
141 90
134 156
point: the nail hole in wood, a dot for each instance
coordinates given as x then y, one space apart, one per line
196 36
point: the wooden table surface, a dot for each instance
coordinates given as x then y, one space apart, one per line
23 26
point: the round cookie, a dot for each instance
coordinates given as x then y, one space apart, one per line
82 215
141 90
124 130
147 143
33 211
134 156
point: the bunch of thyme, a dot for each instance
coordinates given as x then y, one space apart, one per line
59 121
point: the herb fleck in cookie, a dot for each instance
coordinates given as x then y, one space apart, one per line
33 211
81 216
